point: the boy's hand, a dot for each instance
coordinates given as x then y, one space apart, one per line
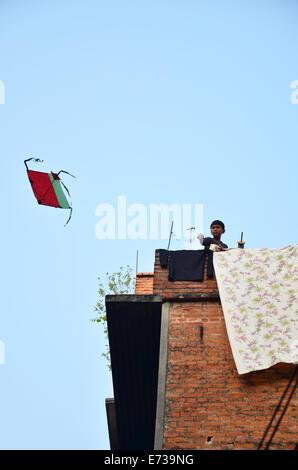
200 236
214 247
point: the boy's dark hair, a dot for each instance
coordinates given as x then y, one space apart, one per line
218 222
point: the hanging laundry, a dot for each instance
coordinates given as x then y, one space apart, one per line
187 265
163 258
258 291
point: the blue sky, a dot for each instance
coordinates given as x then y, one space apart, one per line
158 101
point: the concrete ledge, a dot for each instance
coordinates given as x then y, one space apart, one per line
133 298
202 297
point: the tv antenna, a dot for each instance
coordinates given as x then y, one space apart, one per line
190 233
171 232
137 261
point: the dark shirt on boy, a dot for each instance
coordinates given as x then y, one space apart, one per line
209 241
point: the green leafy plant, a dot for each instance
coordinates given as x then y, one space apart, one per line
121 282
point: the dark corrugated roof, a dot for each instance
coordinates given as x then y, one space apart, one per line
134 337
112 425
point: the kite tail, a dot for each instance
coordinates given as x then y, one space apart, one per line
68 217
62 171
34 159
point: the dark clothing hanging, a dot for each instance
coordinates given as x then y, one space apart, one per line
210 269
163 258
188 265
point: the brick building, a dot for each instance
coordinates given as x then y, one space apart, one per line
175 381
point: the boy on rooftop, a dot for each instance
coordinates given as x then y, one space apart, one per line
217 228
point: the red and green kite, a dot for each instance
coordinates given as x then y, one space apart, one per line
47 188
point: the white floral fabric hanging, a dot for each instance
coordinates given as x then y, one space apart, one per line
258 288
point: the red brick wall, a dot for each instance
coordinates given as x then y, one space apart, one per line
207 404
144 283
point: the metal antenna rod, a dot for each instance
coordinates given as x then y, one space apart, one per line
137 261
170 235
